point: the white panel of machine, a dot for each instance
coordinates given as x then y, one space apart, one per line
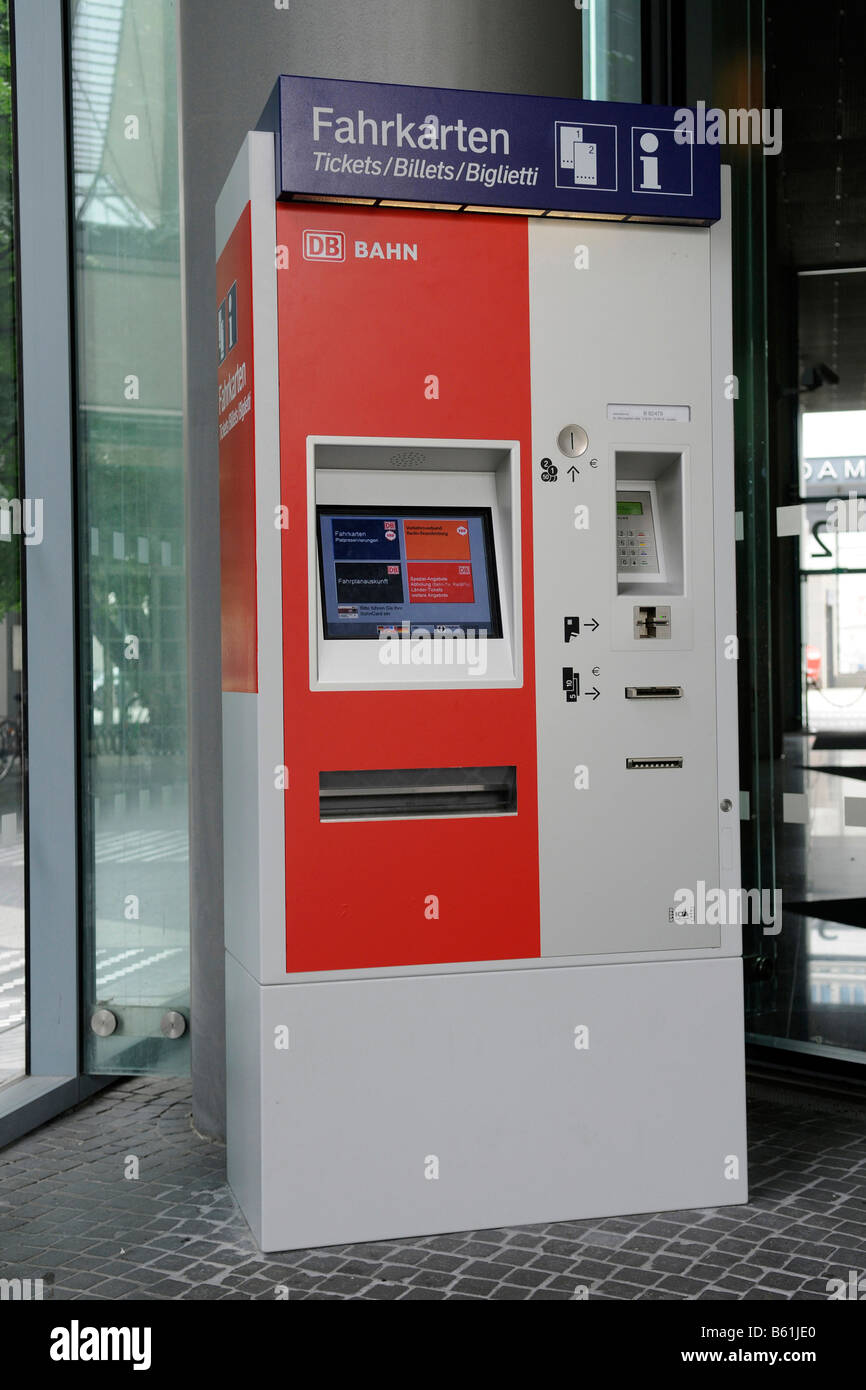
446 1103
254 860
629 319
244 1098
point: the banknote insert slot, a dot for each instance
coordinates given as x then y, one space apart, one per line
653 692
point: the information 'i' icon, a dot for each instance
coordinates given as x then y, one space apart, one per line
649 161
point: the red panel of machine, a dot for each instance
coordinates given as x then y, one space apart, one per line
237 459
361 335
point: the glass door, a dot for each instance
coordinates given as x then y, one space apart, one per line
814 996
132 530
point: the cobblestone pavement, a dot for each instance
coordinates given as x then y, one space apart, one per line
69 1216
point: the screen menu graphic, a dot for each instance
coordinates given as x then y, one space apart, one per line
400 572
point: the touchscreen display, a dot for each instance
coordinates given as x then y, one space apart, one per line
394 573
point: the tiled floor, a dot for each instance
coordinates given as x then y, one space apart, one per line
69 1215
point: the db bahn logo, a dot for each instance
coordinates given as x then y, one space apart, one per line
331 246
324 246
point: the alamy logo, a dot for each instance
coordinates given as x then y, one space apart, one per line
324 246
77 1343
21 516
402 645
714 907
735 127
23 1290
853 1288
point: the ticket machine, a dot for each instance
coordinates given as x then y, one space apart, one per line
479 676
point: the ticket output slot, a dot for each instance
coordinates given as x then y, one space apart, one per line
410 793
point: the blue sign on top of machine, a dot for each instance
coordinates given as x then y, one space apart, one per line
463 149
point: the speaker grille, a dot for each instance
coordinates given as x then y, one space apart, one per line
408 458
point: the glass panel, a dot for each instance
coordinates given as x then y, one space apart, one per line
736 81
815 1000
17 516
612 50
130 468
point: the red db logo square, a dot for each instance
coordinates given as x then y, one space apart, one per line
324 246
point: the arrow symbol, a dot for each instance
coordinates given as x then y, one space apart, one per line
592 624
594 693
574 472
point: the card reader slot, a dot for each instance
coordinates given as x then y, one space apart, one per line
407 793
653 692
